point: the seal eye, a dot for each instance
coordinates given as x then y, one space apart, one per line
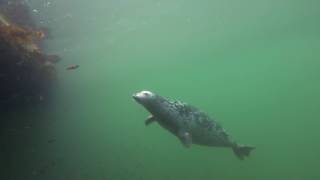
146 93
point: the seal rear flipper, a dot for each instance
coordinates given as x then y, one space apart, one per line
242 151
150 120
185 138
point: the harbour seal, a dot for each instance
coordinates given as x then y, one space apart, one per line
189 124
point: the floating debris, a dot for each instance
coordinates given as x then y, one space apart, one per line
51 140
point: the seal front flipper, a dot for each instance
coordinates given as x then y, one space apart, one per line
150 120
185 138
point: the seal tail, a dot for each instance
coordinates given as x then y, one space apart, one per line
242 151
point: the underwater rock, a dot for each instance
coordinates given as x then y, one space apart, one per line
26 73
18 12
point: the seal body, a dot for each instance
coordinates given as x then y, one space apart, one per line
188 123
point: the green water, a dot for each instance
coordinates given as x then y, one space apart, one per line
252 65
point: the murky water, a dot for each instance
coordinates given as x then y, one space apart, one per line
252 65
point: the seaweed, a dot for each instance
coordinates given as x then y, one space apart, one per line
26 73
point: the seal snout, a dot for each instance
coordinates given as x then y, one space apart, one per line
143 96
135 97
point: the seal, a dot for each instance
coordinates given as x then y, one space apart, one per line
189 124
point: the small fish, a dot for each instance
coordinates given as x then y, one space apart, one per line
72 67
187 123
